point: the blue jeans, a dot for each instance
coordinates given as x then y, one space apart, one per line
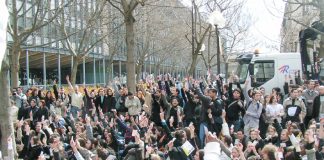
237 124
74 110
202 133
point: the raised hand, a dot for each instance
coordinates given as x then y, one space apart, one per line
67 78
170 144
73 145
210 116
115 113
211 138
31 115
240 147
171 120
223 114
192 129
87 119
162 116
20 123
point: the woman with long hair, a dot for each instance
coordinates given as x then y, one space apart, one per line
274 110
199 155
272 136
34 95
111 100
42 112
141 97
269 152
49 99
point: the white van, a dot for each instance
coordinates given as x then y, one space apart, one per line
267 70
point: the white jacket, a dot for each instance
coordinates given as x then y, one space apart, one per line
212 151
134 106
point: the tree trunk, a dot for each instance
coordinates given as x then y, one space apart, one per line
130 65
74 69
6 125
193 65
139 71
14 56
109 76
321 50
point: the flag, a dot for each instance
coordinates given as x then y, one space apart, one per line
3 29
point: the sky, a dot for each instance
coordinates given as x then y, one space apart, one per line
267 16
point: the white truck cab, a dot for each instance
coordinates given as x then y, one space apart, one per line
267 70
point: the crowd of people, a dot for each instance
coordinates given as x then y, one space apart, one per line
193 119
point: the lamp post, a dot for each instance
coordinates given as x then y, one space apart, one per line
217 20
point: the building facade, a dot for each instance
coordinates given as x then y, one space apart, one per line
47 54
296 18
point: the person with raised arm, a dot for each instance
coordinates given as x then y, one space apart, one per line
76 98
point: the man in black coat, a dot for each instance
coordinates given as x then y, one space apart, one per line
211 111
101 101
159 103
234 107
190 108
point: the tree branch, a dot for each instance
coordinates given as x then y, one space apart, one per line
112 4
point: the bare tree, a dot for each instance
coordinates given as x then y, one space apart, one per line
126 8
309 10
6 126
200 30
114 45
37 14
233 31
162 34
234 35
88 36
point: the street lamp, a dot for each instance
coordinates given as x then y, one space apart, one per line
207 64
216 19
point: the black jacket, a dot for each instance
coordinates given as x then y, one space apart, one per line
156 104
23 112
103 104
216 107
88 101
41 112
120 104
189 109
234 107
316 107
111 101
35 151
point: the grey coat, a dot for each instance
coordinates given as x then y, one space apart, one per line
252 115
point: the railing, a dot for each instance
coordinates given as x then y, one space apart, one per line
49 87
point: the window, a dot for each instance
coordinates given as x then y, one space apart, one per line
242 72
52 6
60 44
29 40
29 9
53 44
46 40
263 71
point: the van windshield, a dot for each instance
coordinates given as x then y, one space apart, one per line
242 72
